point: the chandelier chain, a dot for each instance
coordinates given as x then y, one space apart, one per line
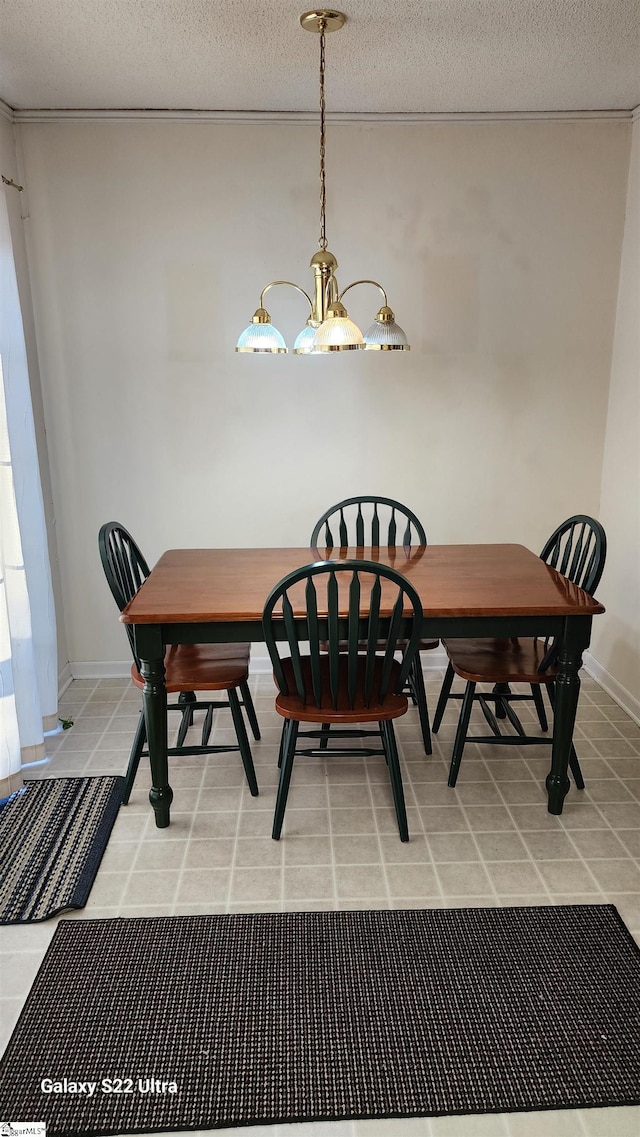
323 192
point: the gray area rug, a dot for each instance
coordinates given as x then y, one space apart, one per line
200 1022
53 834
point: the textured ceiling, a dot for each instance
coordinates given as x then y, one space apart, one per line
408 56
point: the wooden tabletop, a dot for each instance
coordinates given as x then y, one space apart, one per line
221 585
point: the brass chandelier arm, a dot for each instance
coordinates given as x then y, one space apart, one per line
374 282
291 285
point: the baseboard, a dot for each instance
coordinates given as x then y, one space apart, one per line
623 698
100 669
260 665
121 669
435 660
64 679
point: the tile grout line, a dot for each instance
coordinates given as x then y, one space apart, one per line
336 901
432 863
59 749
181 870
546 890
378 834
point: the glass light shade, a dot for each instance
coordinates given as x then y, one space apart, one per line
304 344
338 333
261 338
385 337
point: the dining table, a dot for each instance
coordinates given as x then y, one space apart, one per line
467 590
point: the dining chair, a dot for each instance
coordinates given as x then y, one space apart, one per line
188 667
356 621
577 549
388 523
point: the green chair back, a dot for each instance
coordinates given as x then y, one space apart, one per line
383 521
578 550
347 619
124 567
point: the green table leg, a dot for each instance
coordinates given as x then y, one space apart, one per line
575 640
154 701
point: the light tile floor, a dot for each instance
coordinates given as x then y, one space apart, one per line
490 841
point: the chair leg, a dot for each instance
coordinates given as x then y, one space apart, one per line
498 690
207 724
417 684
442 698
283 740
288 748
387 734
243 741
574 766
250 710
185 699
324 742
539 704
134 758
461 733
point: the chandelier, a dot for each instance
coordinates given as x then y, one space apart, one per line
328 327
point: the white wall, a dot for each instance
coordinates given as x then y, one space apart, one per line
499 244
616 642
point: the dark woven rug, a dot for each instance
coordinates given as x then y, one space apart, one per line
52 837
201 1022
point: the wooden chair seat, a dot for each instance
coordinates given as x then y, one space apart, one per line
500 660
347 711
203 667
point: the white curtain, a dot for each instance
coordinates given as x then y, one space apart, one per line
28 651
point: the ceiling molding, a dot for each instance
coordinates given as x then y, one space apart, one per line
345 117
304 116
